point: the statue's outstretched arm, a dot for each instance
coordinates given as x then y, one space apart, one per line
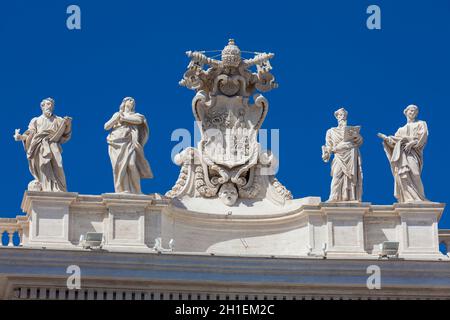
19 137
388 139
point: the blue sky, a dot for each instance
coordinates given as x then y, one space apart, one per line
325 58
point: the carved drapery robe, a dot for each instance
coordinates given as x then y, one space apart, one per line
126 151
346 172
43 147
407 166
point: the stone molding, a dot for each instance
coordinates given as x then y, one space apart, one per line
219 276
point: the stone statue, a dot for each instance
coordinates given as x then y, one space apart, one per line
344 141
42 142
128 136
405 153
228 163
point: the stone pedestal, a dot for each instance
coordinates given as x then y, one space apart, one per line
58 219
345 227
419 229
126 221
48 214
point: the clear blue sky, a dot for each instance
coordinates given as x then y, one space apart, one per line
325 58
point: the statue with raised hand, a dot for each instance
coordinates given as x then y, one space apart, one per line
42 142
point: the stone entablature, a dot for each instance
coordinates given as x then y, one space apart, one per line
305 227
41 274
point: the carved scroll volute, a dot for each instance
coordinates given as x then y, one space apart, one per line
198 102
200 105
192 77
262 105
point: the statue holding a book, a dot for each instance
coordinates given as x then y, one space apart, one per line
405 153
42 142
344 141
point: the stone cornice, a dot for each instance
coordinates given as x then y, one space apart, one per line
54 197
220 272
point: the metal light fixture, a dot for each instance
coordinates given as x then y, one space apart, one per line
389 249
91 240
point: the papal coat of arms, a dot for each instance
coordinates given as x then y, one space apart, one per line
228 162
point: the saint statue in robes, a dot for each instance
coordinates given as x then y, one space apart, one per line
128 136
42 142
344 141
404 151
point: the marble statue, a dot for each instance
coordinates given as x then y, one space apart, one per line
128 136
228 163
405 153
42 142
344 141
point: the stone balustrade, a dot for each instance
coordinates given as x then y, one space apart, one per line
13 227
444 237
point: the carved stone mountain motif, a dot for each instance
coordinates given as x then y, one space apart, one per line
228 162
